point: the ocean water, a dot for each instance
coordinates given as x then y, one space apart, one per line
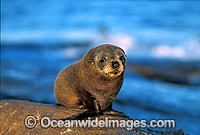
165 29
39 38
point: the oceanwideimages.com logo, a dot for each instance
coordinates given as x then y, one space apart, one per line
46 122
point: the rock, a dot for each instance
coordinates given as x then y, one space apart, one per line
14 113
172 71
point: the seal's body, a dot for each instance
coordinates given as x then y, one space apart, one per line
94 82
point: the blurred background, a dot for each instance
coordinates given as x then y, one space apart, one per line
161 40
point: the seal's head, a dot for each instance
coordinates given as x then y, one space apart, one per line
108 60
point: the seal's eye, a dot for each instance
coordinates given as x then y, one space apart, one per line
122 59
102 60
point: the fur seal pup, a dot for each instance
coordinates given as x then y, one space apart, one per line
93 82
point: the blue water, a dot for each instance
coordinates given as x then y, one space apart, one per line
139 25
39 38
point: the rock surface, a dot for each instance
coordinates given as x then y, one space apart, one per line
172 71
14 113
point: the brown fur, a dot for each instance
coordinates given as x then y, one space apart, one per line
88 84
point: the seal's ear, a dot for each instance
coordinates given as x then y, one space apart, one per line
91 56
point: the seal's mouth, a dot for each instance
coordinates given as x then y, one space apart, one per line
116 72
110 72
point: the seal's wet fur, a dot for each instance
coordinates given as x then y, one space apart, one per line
93 82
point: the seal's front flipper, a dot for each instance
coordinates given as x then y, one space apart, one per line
82 116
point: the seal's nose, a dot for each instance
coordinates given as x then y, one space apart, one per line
115 64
